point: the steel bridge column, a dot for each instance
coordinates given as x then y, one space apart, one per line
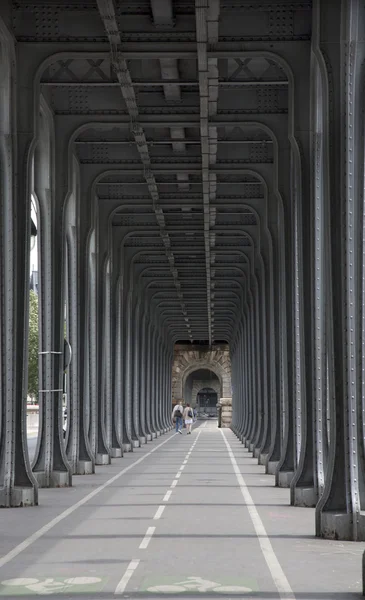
150 412
17 484
339 37
304 488
98 354
239 380
154 397
50 465
78 447
286 466
126 365
262 359
136 372
116 449
163 386
142 382
145 392
128 375
158 383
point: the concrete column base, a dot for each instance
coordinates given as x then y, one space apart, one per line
339 526
116 452
252 448
271 467
84 467
127 447
102 459
149 437
262 459
55 480
142 440
136 443
20 496
256 453
158 433
284 478
304 496
154 435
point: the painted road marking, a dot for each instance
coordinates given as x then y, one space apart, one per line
167 496
177 475
127 575
198 584
159 512
66 513
147 538
277 573
49 585
174 483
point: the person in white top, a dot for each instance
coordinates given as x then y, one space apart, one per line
177 414
188 418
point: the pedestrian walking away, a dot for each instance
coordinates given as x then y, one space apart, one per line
188 418
177 417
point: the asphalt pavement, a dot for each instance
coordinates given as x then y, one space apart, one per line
189 516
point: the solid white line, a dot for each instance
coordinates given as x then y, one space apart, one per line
182 467
174 483
185 461
126 577
277 573
159 512
177 475
66 513
167 496
147 538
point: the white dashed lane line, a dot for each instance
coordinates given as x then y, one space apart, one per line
127 575
159 512
147 538
151 530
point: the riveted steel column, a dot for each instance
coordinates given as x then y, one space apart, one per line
107 369
262 357
128 375
252 365
149 396
161 386
17 484
157 383
100 340
276 404
286 466
240 378
50 466
340 41
142 382
116 449
166 378
145 412
78 448
304 489
137 371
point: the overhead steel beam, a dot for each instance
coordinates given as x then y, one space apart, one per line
107 12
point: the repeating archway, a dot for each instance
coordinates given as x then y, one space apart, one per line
223 374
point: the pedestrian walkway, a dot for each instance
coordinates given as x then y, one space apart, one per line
191 516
